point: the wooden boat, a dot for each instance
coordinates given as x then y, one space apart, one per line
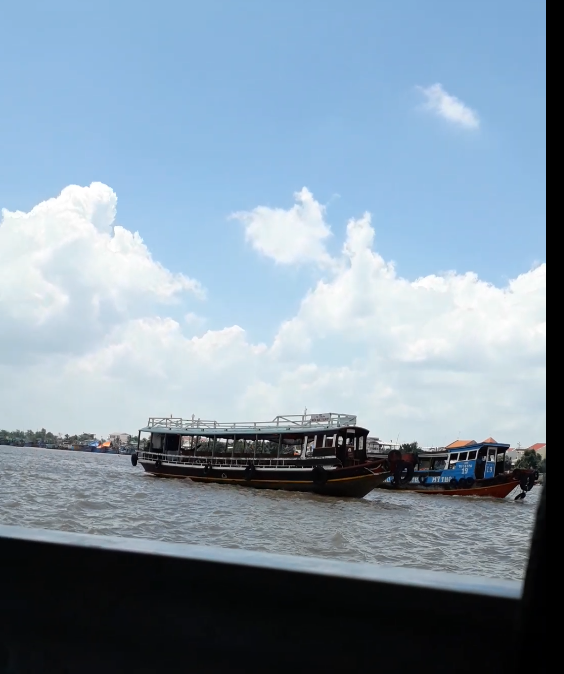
323 454
473 470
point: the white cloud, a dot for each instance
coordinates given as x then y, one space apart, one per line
448 107
295 236
424 359
66 272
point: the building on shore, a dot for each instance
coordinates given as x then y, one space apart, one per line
539 448
119 439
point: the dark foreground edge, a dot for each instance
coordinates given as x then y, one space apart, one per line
73 603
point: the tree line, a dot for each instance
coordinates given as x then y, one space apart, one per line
44 436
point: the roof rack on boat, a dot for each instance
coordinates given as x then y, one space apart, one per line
280 424
377 446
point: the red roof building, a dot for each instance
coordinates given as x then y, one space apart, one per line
537 446
460 443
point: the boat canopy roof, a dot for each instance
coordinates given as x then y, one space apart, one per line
296 426
478 445
444 452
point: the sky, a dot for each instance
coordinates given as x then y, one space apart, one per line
244 209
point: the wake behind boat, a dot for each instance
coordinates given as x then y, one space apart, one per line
320 453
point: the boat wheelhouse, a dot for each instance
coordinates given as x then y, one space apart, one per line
320 453
473 470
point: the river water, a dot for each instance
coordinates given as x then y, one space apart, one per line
104 494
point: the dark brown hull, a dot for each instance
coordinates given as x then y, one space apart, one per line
498 490
350 482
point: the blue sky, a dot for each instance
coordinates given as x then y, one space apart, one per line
191 111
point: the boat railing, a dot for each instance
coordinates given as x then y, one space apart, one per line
224 461
384 448
435 450
279 424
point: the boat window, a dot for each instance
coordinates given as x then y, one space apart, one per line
157 440
472 455
500 456
453 459
270 449
425 464
491 454
463 456
439 464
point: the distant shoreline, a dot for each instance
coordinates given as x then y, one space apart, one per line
114 451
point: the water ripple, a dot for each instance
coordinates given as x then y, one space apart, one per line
97 494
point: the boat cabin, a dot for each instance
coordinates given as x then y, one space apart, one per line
481 461
322 438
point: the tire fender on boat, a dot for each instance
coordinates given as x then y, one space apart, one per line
250 472
134 460
399 476
319 475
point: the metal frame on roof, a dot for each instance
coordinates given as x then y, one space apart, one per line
299 424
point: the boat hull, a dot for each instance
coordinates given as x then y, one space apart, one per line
350 482
498 490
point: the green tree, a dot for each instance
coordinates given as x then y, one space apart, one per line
542 466
530 460
410 448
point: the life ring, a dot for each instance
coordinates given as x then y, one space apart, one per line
319 475
134 460
250 472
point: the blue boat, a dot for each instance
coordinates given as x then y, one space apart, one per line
476 469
